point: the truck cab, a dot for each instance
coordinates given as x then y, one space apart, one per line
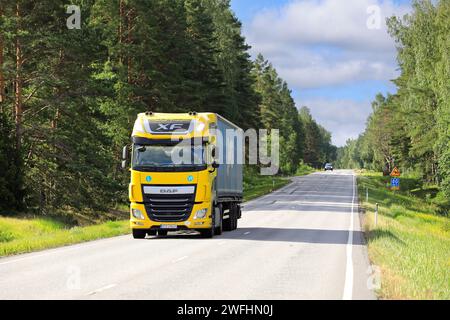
177 183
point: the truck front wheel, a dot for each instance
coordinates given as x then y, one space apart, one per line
219 228
207 233
139 234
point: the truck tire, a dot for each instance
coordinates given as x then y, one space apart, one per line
219 229
228 223
235 216
162 232
139 234
207 233
235 220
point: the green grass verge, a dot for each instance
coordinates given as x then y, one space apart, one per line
27 235
256 186
411 242
304 169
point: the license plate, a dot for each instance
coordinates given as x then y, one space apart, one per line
169 226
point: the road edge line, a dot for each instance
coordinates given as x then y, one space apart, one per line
348 285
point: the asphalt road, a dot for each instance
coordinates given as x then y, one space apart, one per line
301 242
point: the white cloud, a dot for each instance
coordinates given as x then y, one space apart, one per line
327 44
316 43
338 22
343 117
326 73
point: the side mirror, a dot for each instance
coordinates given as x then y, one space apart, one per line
125 155
214 165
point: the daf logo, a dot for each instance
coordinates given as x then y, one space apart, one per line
169 126
168 190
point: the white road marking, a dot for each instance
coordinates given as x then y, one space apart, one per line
247 233
319 204
102 289
180 259
348 286
306 196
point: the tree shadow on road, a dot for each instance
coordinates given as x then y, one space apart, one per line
317 236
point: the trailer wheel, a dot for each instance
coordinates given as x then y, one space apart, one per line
228 223
139 234
235 220
235 216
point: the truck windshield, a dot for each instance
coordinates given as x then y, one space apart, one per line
156 157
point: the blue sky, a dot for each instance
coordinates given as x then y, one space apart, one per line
336 55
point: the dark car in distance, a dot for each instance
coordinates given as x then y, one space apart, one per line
328 166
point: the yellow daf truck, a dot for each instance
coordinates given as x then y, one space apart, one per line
186 174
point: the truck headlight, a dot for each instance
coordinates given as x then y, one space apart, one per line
201 214
137 214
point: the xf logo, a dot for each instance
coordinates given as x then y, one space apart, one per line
169 127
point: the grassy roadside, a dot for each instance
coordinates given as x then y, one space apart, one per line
21 235
27 235
257 186
411 243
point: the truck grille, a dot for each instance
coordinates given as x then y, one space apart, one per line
169 207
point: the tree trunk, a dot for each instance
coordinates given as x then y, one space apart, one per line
2 77
129 41
18 106
121 20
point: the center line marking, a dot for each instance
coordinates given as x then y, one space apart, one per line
348 286
102 289
180 259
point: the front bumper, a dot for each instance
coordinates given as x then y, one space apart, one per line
190 224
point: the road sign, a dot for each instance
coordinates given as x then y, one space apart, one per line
395 172
395 184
